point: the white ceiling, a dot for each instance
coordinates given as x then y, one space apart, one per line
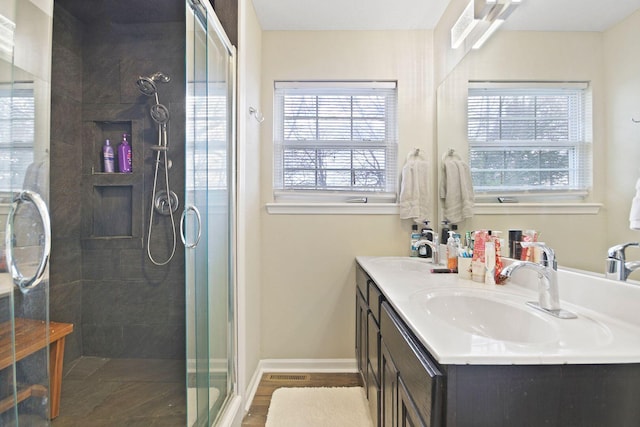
534 15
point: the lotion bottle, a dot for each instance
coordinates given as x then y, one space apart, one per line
107 157
452 252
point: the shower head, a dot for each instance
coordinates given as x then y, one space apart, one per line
147 84
160 114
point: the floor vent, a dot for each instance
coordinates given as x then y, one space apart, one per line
288 377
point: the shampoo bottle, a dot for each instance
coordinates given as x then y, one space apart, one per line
107 157
124 155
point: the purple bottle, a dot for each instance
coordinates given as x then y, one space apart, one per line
124 155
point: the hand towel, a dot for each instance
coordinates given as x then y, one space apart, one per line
456 190
634 214
415 193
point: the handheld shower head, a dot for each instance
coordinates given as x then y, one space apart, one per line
160 114
147 84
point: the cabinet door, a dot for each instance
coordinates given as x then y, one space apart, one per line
361 335
388 388
408 413
420 375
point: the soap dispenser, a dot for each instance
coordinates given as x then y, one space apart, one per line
424 251
415 236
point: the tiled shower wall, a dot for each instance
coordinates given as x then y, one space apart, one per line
122 304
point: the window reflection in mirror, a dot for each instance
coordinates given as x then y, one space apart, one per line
517 56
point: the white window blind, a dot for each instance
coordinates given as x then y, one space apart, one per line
207 139
530 138
17 130
335 140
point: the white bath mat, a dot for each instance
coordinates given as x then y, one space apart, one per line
318 407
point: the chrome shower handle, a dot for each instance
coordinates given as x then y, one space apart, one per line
198 223
25 284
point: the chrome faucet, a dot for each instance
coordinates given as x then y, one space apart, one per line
434 244
547 269
617 268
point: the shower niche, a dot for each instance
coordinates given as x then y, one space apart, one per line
112 200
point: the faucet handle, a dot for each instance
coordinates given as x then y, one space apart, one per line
549 253
617 251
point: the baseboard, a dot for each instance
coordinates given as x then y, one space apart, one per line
296 365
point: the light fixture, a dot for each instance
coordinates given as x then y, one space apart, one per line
479 20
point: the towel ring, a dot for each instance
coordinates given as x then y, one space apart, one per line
634 120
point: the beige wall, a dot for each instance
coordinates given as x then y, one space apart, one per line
542 56
308 260
622 77
249 58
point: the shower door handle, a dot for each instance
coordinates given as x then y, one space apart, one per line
198 223
25 284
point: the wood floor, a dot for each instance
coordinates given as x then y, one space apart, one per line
257 415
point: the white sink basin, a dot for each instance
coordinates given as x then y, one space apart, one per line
483 315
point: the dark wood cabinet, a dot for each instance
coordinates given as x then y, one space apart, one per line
407 387
361 335
388 388
403 383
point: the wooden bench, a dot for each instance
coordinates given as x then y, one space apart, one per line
30 337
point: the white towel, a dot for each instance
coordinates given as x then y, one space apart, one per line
456 190
415 193
634 214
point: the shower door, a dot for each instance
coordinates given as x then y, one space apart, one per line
208 228
25 235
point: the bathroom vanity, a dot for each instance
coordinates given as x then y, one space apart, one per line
436 350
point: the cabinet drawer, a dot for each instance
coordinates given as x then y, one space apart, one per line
420 375
362 282
375 299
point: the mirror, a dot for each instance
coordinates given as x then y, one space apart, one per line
580 231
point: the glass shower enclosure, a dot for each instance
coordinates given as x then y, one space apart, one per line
208 221
25 235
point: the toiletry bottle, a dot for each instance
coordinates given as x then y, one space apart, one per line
415 236
124 155
425 250
107 157
444 232
490 262
452 252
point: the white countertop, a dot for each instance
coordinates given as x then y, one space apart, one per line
607 329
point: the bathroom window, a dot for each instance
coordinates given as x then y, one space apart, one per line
17 126
530 139
335 141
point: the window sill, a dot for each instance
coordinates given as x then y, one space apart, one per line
332 208
537 208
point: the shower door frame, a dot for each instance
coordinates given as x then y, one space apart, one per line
218 414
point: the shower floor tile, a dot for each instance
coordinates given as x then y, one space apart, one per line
100 392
